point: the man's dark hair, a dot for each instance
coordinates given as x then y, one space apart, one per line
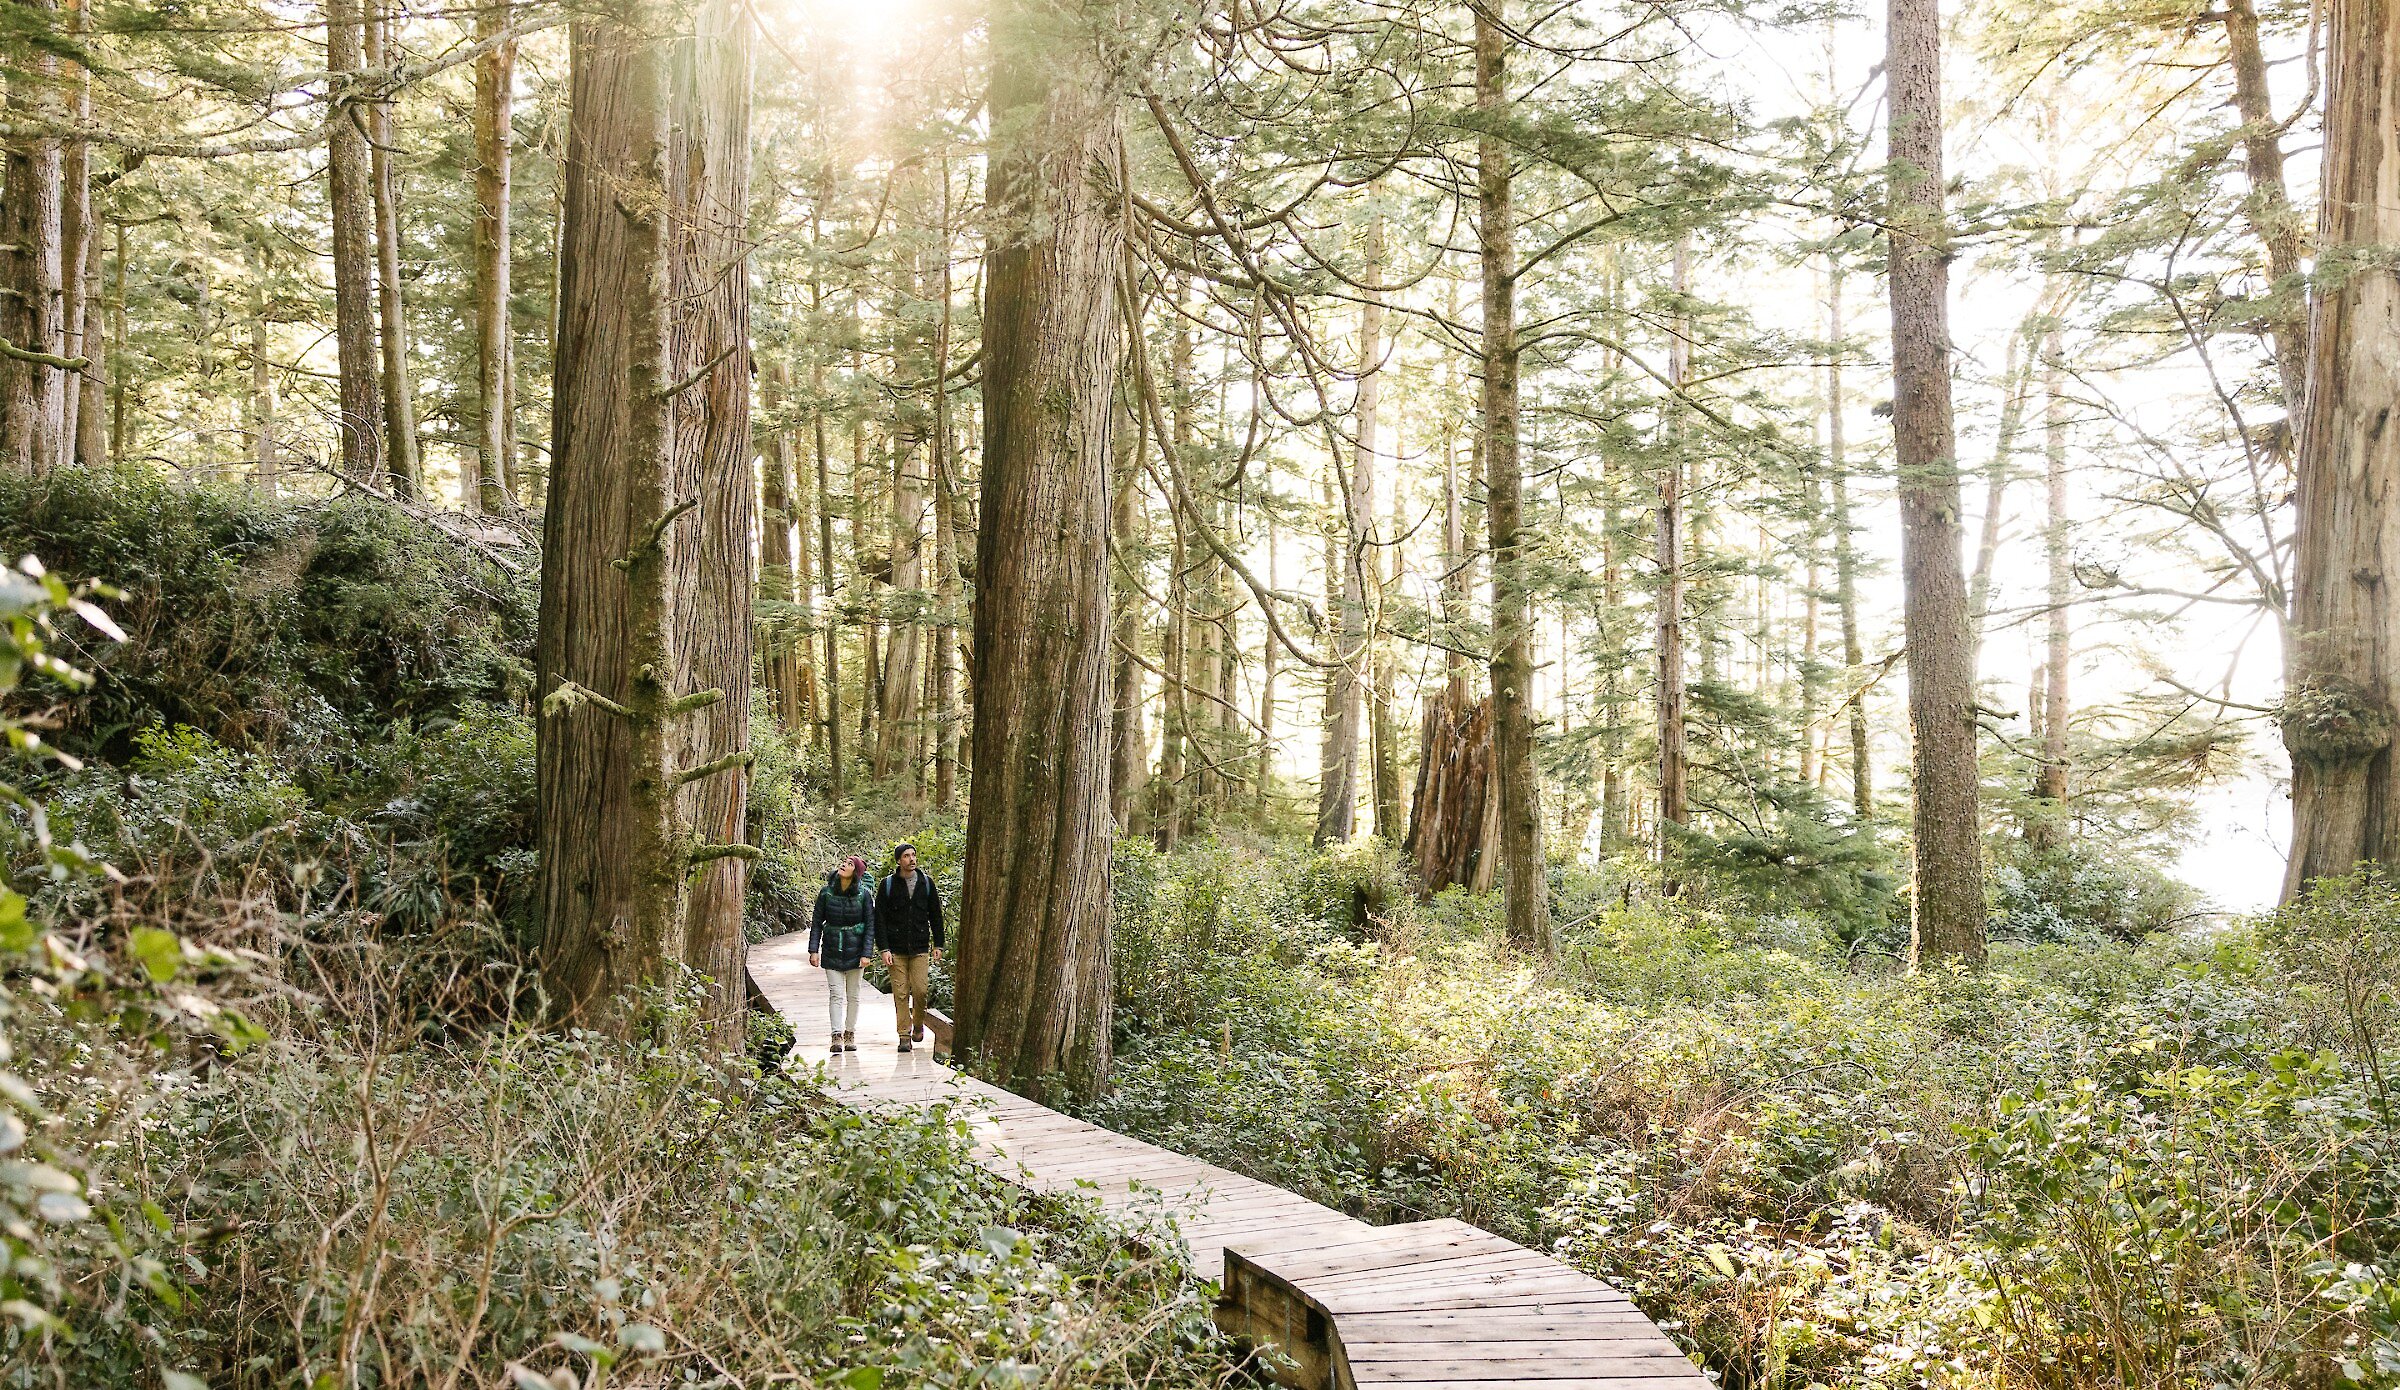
900 849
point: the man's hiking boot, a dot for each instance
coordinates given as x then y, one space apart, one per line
904 1044
849 1042
919 1034
837 1044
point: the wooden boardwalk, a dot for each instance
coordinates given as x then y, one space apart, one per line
1433 1303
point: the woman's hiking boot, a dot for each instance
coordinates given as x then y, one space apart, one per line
837 1045
904 1044
849 1042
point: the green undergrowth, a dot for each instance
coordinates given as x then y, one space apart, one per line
2172 1163
333 1206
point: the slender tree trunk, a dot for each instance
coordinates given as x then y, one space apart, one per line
1033 983
1129 745
1337 761
1264 789
495 487
1365 478
942 637
33 395
263 461
1166 812
399 395
1948 844
778 580
1673 811
1845 555
2048 827
79 241
829 617
2343 654
897 723
1524 871
645 645
118 421
2016 380
2269 209
349 178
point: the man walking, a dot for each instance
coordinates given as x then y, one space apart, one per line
908 921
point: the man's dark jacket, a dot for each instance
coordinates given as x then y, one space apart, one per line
908 923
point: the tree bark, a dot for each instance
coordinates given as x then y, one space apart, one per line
399 395
1948 848
2343 654
78 240
645 640
1845 554
33 395
1454 817
1524 872
783 659
494 489
264 464
1128 741
2048 828
1033 983
942 637
350 195
1673 808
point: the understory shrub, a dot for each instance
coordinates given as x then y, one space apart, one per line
2163 1163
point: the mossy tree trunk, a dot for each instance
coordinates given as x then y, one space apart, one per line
645 643
1033 984
2343 655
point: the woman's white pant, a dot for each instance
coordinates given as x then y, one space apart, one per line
841 998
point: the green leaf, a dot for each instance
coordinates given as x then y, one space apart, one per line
1001 1241
860 1378
16 929
181 1380
642 1337
159 951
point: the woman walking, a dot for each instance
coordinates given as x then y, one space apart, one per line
840 937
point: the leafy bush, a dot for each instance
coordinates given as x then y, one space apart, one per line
2163 1163
294 628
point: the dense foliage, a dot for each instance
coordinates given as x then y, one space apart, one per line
2166 1163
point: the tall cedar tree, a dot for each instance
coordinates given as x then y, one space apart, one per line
645 641
1524 874
2343 655
1033 984
1941 652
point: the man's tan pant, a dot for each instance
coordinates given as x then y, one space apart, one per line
908 993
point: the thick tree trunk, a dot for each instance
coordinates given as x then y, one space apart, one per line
1673 794
33 395
1454 818
1948 844
350 194
2048 827
1033 984
1524 871
494 488
2343 656
399 395
645 644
